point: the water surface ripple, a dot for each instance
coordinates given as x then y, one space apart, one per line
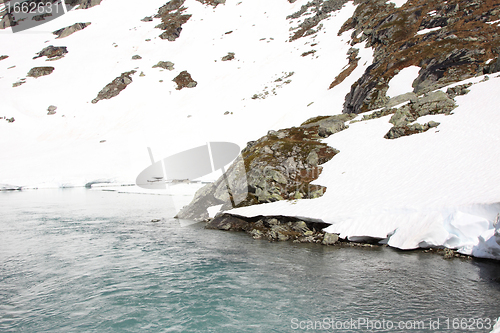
89 261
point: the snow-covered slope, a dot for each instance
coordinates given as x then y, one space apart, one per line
68 148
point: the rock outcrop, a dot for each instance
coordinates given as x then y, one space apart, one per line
184 80
168 65
214 3
278 166
275 228
7 20
40 71
52 52
321 10
403 117
398 36
228 57
172 17
352 56
65 32
115 87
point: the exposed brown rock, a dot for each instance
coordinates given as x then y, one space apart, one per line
457 51
184 80
172 18
353 64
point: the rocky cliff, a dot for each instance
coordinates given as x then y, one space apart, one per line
457 45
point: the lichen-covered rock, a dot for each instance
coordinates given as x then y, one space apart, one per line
40 71
184 80
433 103
52 52
401 99
458 90
115 87
172 17
330 239
409 129
329 125
278 166
168 65
275 228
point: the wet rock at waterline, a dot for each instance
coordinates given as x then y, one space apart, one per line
275 228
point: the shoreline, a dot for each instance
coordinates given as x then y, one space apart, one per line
304 230
291 229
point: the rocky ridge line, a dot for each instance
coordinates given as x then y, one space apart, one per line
460 49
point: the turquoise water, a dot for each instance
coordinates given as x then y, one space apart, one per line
89 261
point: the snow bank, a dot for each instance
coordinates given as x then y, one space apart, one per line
402 82
438 188
83 142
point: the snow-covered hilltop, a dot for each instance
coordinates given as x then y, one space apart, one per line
376 117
